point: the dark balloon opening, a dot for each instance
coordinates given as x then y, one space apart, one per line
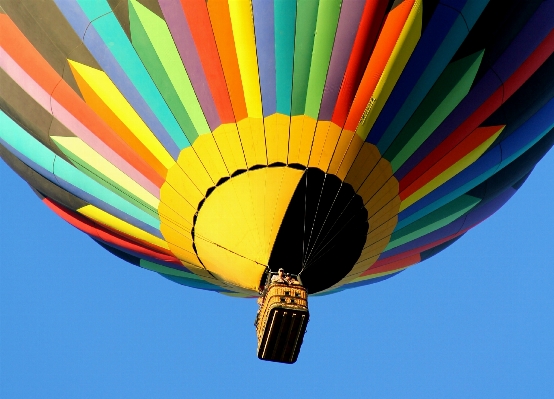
323 232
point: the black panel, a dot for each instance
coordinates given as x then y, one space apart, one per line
497 26
429 7
323 231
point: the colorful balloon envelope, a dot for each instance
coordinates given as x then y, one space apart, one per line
210 141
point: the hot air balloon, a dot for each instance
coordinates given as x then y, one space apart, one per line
214 142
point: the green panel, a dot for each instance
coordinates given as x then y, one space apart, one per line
449 90
167 53
105 181
285 17
303 45
147 53
433 221
167 270
326 28
27 145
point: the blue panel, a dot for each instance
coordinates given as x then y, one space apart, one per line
265 46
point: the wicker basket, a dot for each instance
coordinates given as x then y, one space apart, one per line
281 322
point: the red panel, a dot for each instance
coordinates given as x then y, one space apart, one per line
471 142
368 31
223 32
95 230
388 38
196 13
388 266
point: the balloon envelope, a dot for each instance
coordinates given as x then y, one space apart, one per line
209 140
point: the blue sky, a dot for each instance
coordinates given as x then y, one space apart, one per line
475 321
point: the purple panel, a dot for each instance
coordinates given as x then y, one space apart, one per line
265 47
178 25
74 15
350 15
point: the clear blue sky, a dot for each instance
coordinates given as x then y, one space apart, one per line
476 321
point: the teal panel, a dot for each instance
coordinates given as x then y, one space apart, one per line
285 18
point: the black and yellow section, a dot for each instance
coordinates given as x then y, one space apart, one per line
230 225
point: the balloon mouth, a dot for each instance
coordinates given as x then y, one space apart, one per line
319 227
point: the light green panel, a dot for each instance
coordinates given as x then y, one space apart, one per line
155 267
326 28
162 68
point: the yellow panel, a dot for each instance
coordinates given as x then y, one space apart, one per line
242 22
104 218
379 238
321 131
450 172
179 220
78 147
330 144
277 137
346 150
308 133
228 141
350 156
243 273
112 97
190 164
376 180
386 197
302 130
239 221
173 200
258 136
179 250
407 41
251 131
296 126
364 163
181 185
210 156
183 239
